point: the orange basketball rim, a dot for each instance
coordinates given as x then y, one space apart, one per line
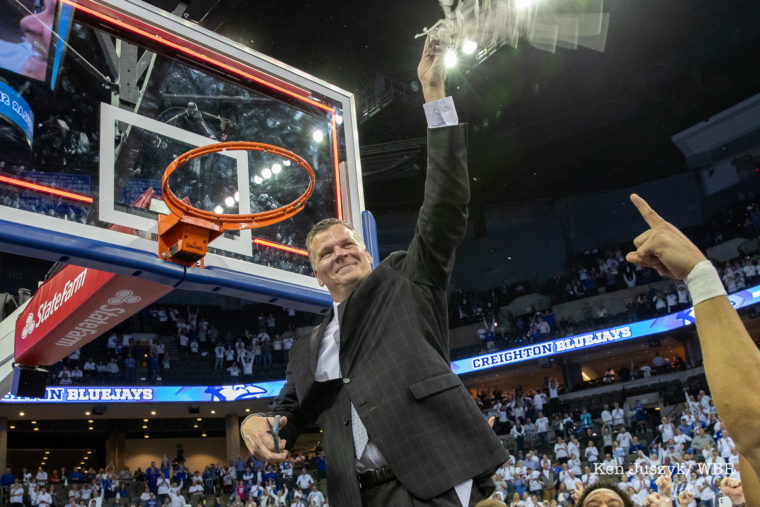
184 235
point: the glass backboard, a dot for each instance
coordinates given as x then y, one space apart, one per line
102 95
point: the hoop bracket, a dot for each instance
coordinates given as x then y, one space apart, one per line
184 234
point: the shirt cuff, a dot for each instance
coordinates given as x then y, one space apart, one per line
441 113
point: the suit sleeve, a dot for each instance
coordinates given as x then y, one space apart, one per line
442 220
286 404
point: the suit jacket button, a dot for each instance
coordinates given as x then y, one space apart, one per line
346 421
346 380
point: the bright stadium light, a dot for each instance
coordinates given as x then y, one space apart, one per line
258 179
218 209
276 168
469 46
523 4
229 201
266 173
450 59
318 135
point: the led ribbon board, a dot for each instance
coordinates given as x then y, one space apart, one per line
160 394
577 342
17 110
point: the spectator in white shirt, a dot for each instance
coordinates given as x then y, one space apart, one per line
588 478
591 452
316 496
41 477
304 481
218 356
606 415
617 415
542 428
560 450
574 464
624 438
16 493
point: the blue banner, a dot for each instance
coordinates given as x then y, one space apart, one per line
15 108
595 338
161 394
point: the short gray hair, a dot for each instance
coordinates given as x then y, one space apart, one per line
322 226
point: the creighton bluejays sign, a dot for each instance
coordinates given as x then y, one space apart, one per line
551 348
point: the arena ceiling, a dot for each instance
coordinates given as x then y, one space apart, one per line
543 125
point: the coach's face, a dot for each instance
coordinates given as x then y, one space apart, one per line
340 261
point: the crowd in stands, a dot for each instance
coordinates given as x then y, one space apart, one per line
236 354
248 483
553 450
604 270
737 274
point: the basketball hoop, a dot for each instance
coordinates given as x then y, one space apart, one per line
184 235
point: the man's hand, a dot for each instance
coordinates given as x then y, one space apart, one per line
657 500
732 488
665 483
577 492
257 434
663 247
685 498
431 71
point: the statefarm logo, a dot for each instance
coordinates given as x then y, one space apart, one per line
124 296
99 320
49 307
28 327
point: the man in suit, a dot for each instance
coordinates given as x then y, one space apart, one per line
399 427
548 480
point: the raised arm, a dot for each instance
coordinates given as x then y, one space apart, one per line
731 358
442 219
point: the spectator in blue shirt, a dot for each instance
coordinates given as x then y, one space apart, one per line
7 478
271 474
239 467
520 486
321 467
208 479
635 446
123 490
685 427
586 421
640 417
152 501
151 476
166 467
130 368
181 475
75 477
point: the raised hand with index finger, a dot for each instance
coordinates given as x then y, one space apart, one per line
663 247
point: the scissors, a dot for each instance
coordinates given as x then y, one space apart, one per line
275 431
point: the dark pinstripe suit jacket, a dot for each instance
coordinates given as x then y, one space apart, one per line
394 356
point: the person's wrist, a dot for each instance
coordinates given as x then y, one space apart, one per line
433 93
704 282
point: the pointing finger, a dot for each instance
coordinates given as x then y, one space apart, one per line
647 213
